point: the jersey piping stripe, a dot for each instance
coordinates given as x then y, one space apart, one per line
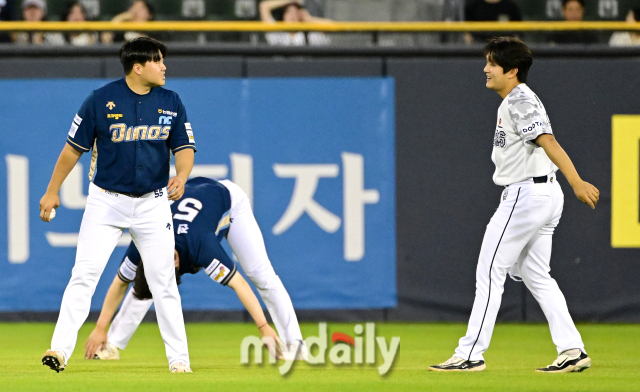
490 268
182 148
122 278
231 274
94 160
77 145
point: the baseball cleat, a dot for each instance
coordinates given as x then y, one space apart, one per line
54 359
296 351
109 352
457 364
568 361
180 367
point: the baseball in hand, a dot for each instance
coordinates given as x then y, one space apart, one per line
52 213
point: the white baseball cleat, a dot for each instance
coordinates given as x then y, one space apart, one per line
457 364
180 367
109 352
296 351
568 361
54 359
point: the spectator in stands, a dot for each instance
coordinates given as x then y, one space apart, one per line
490 10
4 16
627 38
289 11
140 11
573 11
74 11
36 11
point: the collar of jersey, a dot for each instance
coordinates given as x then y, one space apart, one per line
133 93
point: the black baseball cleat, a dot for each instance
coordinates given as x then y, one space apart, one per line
53 359
457 364
568 361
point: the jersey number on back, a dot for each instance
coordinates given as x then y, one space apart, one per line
191 207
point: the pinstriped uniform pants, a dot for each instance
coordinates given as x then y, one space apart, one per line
518 241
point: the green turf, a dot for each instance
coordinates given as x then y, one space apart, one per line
515 352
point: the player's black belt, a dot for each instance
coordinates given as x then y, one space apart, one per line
540 180
136 195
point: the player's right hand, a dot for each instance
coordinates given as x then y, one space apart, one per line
96 341
272 342
48 201
587 194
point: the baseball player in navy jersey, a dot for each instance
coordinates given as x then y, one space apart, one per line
208 212
518 238
131 125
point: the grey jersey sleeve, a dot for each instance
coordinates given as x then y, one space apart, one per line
530 119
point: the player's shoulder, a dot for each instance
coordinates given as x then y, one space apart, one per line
521 93
110 91
167 94
522 101
111 87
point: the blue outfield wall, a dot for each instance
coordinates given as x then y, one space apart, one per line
315 155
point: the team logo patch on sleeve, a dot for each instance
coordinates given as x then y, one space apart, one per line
74 126
189 132
127 271
219 272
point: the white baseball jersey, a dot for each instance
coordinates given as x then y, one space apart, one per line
521 119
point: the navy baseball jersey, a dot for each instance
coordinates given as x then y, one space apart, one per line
200 222
131 136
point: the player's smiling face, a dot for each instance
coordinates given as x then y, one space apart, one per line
496 78
153 72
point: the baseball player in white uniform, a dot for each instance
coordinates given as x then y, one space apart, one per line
132 125
518 238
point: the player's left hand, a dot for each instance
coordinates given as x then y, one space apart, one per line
587 193
97 341
175 188
271 340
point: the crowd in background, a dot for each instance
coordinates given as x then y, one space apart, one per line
270 11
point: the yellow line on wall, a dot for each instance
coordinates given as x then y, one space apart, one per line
328 27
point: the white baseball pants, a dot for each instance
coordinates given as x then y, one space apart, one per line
149 221
247 243
518 241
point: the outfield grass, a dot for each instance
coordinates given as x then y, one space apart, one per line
515 352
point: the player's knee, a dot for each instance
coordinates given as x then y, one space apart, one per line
264 280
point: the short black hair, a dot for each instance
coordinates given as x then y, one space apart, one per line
509 53
140 286
564 2
140 50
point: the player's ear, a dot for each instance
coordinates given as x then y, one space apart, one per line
513 73
137 68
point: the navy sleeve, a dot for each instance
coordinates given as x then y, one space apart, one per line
129 266
181 136
217 263
82 132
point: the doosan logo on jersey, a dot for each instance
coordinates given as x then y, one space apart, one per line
532 127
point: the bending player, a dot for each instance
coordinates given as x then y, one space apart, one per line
208 212
132 125
518 237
